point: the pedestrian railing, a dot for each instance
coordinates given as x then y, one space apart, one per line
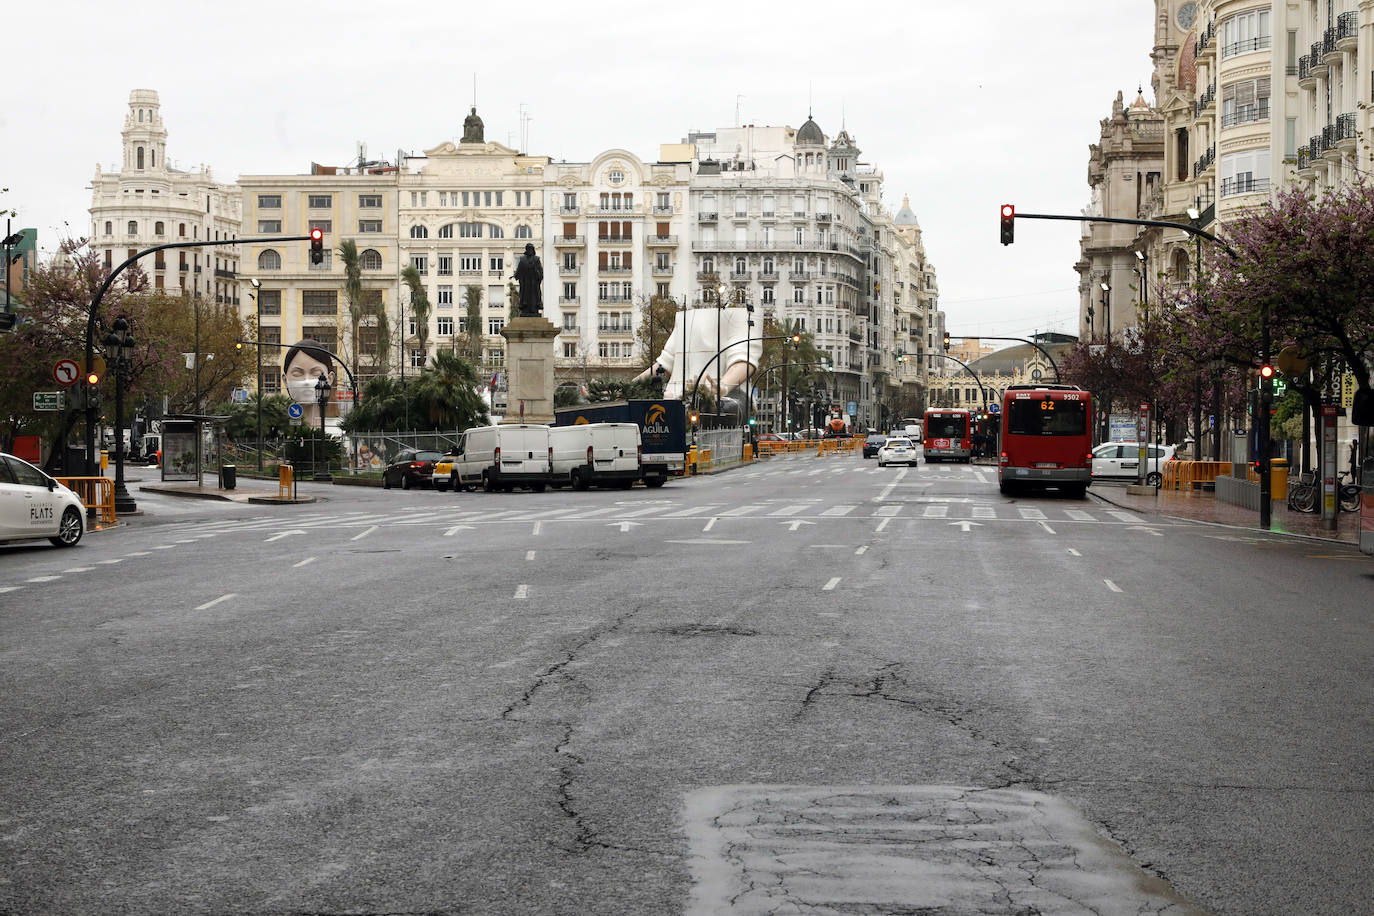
1191 475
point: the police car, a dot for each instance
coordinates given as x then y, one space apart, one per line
34 505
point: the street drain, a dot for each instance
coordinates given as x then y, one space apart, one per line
700 629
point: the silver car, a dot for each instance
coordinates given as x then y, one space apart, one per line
34 505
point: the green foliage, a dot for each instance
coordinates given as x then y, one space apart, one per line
242 425
567 396
308 444
419 305
617 389
444 396
471 346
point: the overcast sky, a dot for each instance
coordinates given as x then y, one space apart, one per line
962 106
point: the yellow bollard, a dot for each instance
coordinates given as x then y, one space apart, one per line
104 459
286 482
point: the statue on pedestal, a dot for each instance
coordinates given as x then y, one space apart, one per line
529 273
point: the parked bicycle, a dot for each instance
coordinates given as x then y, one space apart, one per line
1305 493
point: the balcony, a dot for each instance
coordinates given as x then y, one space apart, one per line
1204 162
1247 113
615 240
1346 133
569 241
661 241
707 217
464 273
741 276
1305 161
1330 53
822 217
615 210
1307 72
570 301
614 297
225 273
660 209
1205 101
663 270
1315 52
614 271
569 269
1244 184
1247 46
567 209
1348 31
1204 40
768 276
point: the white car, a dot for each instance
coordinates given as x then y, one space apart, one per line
33 505
897 450
1122 460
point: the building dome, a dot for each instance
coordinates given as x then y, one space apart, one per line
810 133
905 216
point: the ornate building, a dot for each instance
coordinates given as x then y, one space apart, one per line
146 201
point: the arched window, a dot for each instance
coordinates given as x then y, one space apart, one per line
371 259
740 266
269 260
523 232
446 231
133 227
1180 266
419 232
495 232
109 227
140 157
158 228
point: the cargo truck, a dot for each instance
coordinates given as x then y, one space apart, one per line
662 431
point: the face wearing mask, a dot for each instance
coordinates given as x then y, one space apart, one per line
302 375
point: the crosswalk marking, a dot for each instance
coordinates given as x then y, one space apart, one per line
936 511
789 510
984 512
1034 515
1079 515
888 511
836 511
739 510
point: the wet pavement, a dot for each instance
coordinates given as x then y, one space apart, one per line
1203 506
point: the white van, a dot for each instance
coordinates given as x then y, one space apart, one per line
603 454
502 458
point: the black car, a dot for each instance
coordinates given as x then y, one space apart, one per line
410 468
874 442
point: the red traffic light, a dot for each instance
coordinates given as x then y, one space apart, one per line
1266 371
1008 211
316 245
1008 224
93 378
317 235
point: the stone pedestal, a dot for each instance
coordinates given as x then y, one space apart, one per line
529 369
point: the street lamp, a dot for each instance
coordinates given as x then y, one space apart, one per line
1107 308
257 285
322 391
119 344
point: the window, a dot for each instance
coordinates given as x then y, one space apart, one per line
524 232
470 230
269 201
133 227
369 225
369 201
444 325
1246 32
497 263
319 302
768 298
799 235
741 205
1244 101
269 226
269 301
662 261
445 267
496 357
661 202
569 260
420 262
181 229
569 292
570 321
268 260
445 297
1290 138
569 201
417 359
109 227
569 351
140 156
370 259
319 201
1245 173
495 232
615 176
159 229
419 232
799 295
494 325
446 231
1181 153
470 262
326 264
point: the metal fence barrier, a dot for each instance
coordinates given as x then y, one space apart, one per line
95 493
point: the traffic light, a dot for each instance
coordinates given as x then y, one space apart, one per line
1266 372
238 345
1008 224
92 378
316 246
693 416
753 421
947 341
796 338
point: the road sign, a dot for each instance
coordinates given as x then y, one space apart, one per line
994 408
66 372
47 400
295 411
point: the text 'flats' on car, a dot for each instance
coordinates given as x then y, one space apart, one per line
34 505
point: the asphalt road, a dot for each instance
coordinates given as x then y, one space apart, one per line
809 686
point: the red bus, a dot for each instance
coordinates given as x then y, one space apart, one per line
1047 439
945 434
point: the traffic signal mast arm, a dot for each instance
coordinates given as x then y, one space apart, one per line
1191 230
1022 340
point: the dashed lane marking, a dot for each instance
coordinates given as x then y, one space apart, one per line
361 535
44 579
306 562
830 586
1112 585
209 604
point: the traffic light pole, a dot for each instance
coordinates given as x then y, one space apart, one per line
976 379
93 315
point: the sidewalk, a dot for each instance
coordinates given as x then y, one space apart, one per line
1205 507
259 491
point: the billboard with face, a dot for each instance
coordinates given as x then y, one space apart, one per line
304 362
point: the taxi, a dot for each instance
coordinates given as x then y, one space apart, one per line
443 471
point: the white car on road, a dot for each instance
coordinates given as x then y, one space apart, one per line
34 505
897 450
1122 460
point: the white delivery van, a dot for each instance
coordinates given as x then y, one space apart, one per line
600 454
502 458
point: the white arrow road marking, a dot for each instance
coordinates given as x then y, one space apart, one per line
363 534
1157 534
830 586
210 604
522 592
624 526
457 528
965 525
796 523
284 534
711 524
306 562
1112 585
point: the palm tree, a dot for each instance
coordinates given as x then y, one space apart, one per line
472 336
447 393
353 294
419 305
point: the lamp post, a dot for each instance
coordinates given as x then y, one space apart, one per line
322 391
257 286
1107 308
119 343
748 374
